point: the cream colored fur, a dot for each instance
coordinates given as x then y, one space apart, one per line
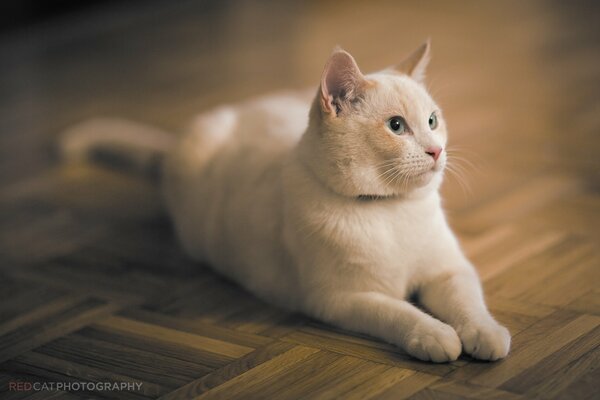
320 207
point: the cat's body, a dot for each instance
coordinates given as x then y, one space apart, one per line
335 211
223 188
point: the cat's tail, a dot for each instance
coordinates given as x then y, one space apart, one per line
117 142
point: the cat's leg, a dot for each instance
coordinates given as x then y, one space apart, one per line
391 319
457 299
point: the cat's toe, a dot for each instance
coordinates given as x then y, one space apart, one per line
486 341
438 343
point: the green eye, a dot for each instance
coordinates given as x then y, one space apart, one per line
397 124
433 121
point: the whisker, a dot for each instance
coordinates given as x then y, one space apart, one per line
463 160
385 172
389 162
393 179
458 151
458 175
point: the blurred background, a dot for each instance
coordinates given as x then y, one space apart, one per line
518 82
520 74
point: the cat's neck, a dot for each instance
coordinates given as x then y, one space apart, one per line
374 197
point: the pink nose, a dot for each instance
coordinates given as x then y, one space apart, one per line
434 152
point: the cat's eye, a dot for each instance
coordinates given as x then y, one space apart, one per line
433 121
397 125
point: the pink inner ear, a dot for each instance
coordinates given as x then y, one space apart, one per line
341 80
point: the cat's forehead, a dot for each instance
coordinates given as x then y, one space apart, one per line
395 91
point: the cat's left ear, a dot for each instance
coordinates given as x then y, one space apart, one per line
341 82
415 64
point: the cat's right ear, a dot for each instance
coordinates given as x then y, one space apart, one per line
341 82
415 64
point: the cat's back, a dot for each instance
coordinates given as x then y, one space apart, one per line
234 139
276 119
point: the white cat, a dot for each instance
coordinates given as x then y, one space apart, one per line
331 209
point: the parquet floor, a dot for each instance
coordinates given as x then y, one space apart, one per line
94 288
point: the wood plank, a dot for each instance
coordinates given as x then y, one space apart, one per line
367 349
171 335
448 389
518 361
282 384
587 303
536 269
338 378
407 387
519 248
229 371
196 327
528 197
557 289
66 319
42 307
586 386
560 369
145 365
169 349
522 342
50 369
517 315
378 384
233 387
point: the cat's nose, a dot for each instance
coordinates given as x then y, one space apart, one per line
434 152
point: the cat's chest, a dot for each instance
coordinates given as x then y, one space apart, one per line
401 228
379 247
389 231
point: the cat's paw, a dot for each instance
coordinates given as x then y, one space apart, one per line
486 340
434 341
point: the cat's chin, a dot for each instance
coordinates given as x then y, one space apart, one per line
423 182
424 178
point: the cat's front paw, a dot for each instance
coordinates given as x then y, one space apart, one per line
485 340
434 341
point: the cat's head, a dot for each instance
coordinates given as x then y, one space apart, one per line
379 134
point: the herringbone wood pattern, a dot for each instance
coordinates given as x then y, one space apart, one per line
93 286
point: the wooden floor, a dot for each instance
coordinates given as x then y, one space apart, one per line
94 288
